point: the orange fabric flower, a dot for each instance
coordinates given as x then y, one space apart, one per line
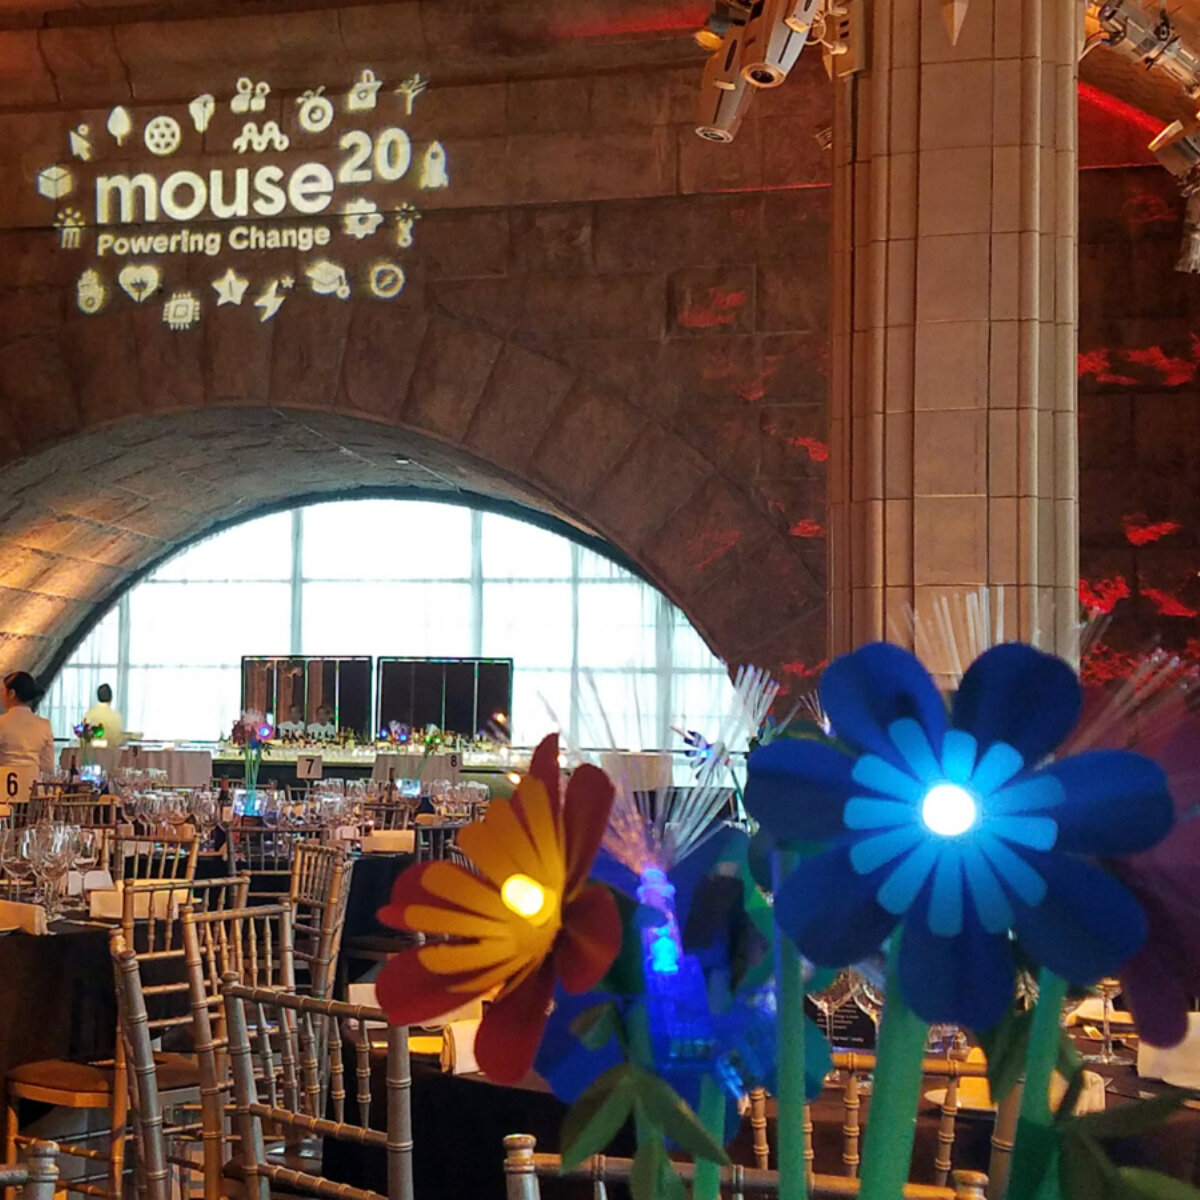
527 918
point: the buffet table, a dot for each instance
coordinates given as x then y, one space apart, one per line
184 768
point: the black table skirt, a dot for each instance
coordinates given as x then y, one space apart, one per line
56 997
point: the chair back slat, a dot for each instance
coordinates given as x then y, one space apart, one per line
144 1105
305 1023
320 892
254 945
159 855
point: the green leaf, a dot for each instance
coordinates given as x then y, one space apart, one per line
595 1026
667 1109
1140 1184
597 1115
1130 1119
1005 1045
669 1184
646 1172
625 976
1084 1171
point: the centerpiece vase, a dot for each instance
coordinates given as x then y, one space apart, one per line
252 760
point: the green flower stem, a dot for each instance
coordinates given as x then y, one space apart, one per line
887 1151
789 1053
712 1116
1035 1139
641 1054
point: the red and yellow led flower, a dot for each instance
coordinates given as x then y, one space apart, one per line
527 918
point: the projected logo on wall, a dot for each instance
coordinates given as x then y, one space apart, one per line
144 200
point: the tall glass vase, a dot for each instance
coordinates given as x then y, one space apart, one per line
252 759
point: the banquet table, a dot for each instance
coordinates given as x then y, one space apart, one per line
459 1123
184 768
400 766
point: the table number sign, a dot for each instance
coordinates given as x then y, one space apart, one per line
309 766
18 783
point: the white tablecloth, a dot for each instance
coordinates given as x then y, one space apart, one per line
184 768
416 766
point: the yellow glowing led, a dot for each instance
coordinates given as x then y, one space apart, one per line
526 897
708 39
513 778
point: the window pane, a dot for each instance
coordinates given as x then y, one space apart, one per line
259 549
207 624
530 623
516 550
616 625
387 539
427 619
541 704
177 703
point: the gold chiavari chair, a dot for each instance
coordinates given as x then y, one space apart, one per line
163 854
389 814
255 946
282 1088
266 854
35 1177
150 919
320 889
523 1168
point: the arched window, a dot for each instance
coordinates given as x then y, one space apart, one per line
597 651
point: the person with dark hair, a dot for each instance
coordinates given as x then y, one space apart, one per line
102 713
26 740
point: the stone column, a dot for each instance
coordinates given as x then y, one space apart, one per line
953 440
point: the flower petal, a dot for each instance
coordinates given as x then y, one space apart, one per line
946 897
540 815
543 766
1027 795
909 738
1015 694
865 812
878 774
959 749
964 980
590 938
829 910
585 815
1012 868
499 844
1039 833
865 692
874 852
563 1061
991 901
1156 996
1116 802
512 1027
797 789
1088 926
408 889
411 994
997 766
900 890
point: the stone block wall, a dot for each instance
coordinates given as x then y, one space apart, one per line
603 318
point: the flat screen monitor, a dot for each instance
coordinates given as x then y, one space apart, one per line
460 695
316 695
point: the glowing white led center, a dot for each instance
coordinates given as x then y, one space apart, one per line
949 809
524 896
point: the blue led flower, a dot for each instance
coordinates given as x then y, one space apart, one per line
954 823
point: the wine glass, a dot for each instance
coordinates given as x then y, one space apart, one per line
16 864
1109 989
61 848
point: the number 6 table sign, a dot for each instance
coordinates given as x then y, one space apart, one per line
309 766
18 784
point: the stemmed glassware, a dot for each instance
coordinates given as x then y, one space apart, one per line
15 860
1109 989
52 851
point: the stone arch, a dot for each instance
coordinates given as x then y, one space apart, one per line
604 319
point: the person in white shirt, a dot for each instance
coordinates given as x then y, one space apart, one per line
102 713
26 740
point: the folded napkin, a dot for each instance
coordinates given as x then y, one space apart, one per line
1176 1065
1091 1099
16 915
79 882
458 1048
1092 1011
389 841
109 905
